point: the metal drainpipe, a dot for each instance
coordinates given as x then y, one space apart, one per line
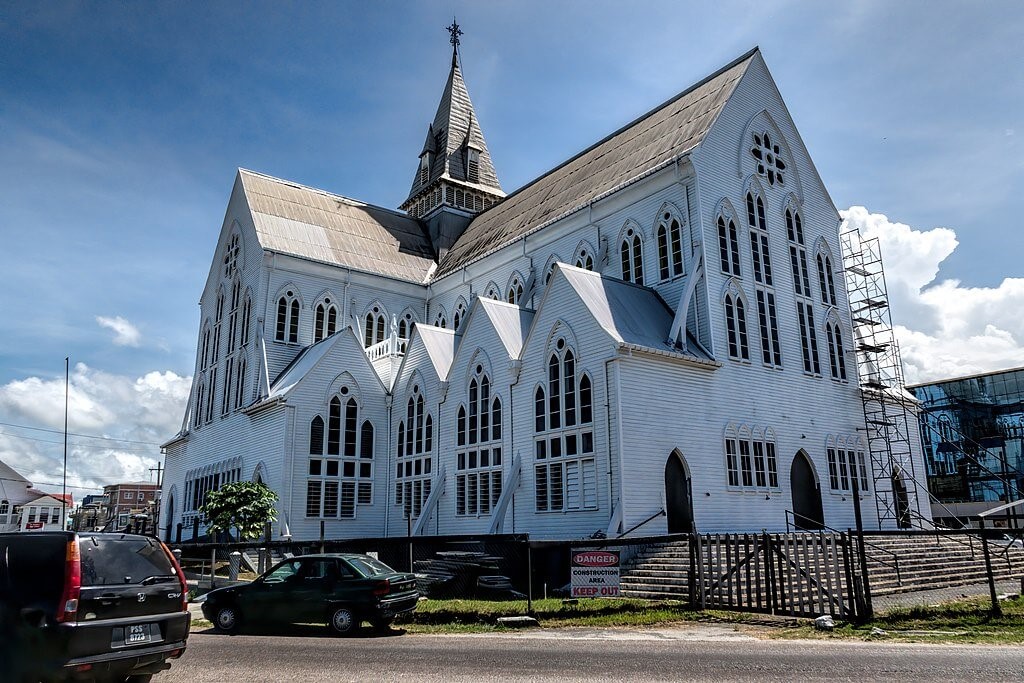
608 424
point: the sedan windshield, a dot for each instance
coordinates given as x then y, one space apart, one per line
369 567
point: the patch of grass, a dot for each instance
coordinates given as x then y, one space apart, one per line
961 621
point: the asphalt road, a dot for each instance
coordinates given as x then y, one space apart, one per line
681 654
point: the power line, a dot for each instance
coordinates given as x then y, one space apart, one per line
84 436
126 449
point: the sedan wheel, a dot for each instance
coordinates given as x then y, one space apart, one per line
344 621
227 619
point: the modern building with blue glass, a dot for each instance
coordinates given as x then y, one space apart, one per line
972 430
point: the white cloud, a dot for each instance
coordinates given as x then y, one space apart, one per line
125 334
944 328
142 412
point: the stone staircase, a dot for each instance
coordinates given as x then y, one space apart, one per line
927 561
660 571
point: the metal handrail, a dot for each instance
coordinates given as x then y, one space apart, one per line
896 559
657 514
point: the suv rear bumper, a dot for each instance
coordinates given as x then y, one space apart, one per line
93 644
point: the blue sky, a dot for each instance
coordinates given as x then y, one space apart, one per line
122 124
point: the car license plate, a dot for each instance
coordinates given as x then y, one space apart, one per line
137 633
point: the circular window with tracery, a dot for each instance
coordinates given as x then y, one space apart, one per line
768 156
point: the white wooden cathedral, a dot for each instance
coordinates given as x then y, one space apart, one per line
652 337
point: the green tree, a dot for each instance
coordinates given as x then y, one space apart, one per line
245 506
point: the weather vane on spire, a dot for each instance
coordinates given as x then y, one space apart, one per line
455 32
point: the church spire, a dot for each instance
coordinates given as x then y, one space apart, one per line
455 174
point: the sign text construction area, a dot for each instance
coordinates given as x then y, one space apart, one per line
595 574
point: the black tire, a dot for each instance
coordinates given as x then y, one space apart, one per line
382 623
343 620
227 619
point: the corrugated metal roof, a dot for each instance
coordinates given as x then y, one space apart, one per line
673 128
313 224
511 322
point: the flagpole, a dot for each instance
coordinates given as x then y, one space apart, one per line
64 486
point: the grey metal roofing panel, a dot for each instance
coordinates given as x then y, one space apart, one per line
673 128
440 346
300 367
511 322
321 226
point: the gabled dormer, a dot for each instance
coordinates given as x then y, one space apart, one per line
455 179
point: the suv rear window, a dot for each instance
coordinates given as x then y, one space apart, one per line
117 561
32 568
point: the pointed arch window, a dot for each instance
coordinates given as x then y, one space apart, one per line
585 260
759 251
440 320
459 316
808 337
218 323
287 328
768 158
736 327
836 357
200 406
415 456
204 347
492 292
341 481
750 458
565 474
729 246
478 472
240 382
231 256
826 284
325 321
233 331
632 257
405 326
670 247
515 291
374 326
246 318
798 253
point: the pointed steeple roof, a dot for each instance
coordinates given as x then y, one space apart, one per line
454 131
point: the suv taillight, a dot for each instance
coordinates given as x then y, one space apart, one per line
67 610
382 588
181 576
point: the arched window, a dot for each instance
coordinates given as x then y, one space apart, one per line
240 382
632 258
415 447
341 481
218 323
836 357
246 318
670 247
287 329
768 158
565 474
231 256
750 458
759 251
316 436
728 246
826 284
204 347
374 326
736 327
405 326
459 316
798 253
233 331
515 291
441 320
492 292
479 452
585 259
200 406
325 320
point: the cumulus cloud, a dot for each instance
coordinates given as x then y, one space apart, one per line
134 414
125 334
944 329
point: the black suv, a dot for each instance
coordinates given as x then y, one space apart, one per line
101 607
342 590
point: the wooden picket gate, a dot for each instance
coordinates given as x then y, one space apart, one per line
795 574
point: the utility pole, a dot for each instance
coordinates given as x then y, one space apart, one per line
159 469
64 484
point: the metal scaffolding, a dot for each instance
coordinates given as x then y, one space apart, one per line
890 423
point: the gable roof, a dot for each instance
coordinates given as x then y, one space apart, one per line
511 322
300 366
440 346
632 315
320 226
671 129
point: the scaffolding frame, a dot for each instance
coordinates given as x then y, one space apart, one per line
889 421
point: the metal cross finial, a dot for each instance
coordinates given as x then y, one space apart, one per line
455 32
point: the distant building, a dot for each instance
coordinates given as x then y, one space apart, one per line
91 515
127 500
23 508
972 430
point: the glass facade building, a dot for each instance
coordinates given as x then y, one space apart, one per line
971 429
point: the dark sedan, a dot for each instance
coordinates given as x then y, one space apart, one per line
342 590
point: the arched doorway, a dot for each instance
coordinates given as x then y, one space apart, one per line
806 493
678 495
902 501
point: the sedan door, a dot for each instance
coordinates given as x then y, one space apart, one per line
270 598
